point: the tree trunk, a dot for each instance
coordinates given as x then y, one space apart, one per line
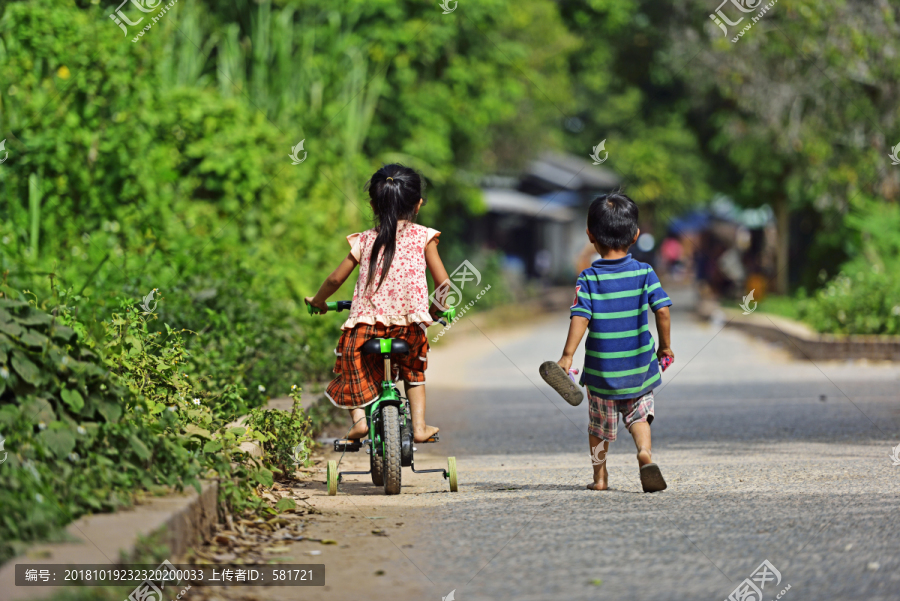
782 222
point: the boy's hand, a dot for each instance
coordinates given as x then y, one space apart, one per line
665 352
320 305
565 362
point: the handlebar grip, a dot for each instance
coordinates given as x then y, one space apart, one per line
332 306
446 316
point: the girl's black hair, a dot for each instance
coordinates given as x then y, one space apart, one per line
394 192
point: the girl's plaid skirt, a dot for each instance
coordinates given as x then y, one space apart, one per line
359 376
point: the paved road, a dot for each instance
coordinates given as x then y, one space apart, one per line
767 458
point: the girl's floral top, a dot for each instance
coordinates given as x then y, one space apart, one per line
402 298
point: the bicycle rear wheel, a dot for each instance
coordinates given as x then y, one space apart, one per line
391 459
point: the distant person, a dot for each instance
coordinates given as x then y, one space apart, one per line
613 298
390 300
672 253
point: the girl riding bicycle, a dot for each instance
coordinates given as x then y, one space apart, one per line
390 299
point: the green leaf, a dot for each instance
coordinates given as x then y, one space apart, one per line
61 332
25 368
264 477
38 410
197 431
35 318
10 303
73 399
35 339
285 503
238 431
110 410
139 447
11 328
58 438
212 446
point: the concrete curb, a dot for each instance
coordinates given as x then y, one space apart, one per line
182 520
800 339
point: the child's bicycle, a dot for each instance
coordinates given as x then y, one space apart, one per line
390 444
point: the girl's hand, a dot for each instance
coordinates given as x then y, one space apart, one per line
565 362
320 305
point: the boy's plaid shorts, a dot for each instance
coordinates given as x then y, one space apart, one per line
359 376
605 414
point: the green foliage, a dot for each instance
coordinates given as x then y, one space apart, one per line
864 297
89 425
286 436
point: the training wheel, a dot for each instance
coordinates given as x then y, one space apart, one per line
331 477
451 474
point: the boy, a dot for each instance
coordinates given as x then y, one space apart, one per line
613 298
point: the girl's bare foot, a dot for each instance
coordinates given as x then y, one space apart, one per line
360 424
598 485
424 433
358 430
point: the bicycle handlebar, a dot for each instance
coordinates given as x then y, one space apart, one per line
332 306
444 317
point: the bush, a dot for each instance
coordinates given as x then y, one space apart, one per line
864 297
861 299
90 423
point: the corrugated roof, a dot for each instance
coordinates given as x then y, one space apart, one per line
573 172
506 200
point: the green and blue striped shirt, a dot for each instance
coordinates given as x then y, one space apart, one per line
620 356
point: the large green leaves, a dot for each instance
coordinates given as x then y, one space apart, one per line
73 399
25 368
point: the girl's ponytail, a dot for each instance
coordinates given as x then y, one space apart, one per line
394 192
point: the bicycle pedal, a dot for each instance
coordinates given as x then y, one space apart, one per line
432 439
347 446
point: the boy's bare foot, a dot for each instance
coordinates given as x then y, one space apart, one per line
358 430
643 457
598 485
423 434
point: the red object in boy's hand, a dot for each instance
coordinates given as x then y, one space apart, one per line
665 362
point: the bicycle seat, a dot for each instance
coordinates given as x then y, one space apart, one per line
379 346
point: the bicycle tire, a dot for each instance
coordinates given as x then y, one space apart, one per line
376 464
331 478
391 459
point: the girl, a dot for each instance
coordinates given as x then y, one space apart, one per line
390 299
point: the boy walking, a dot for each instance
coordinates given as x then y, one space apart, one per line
613 299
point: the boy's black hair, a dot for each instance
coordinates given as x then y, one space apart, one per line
394 193
613 220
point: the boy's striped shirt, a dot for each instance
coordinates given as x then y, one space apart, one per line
620 356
